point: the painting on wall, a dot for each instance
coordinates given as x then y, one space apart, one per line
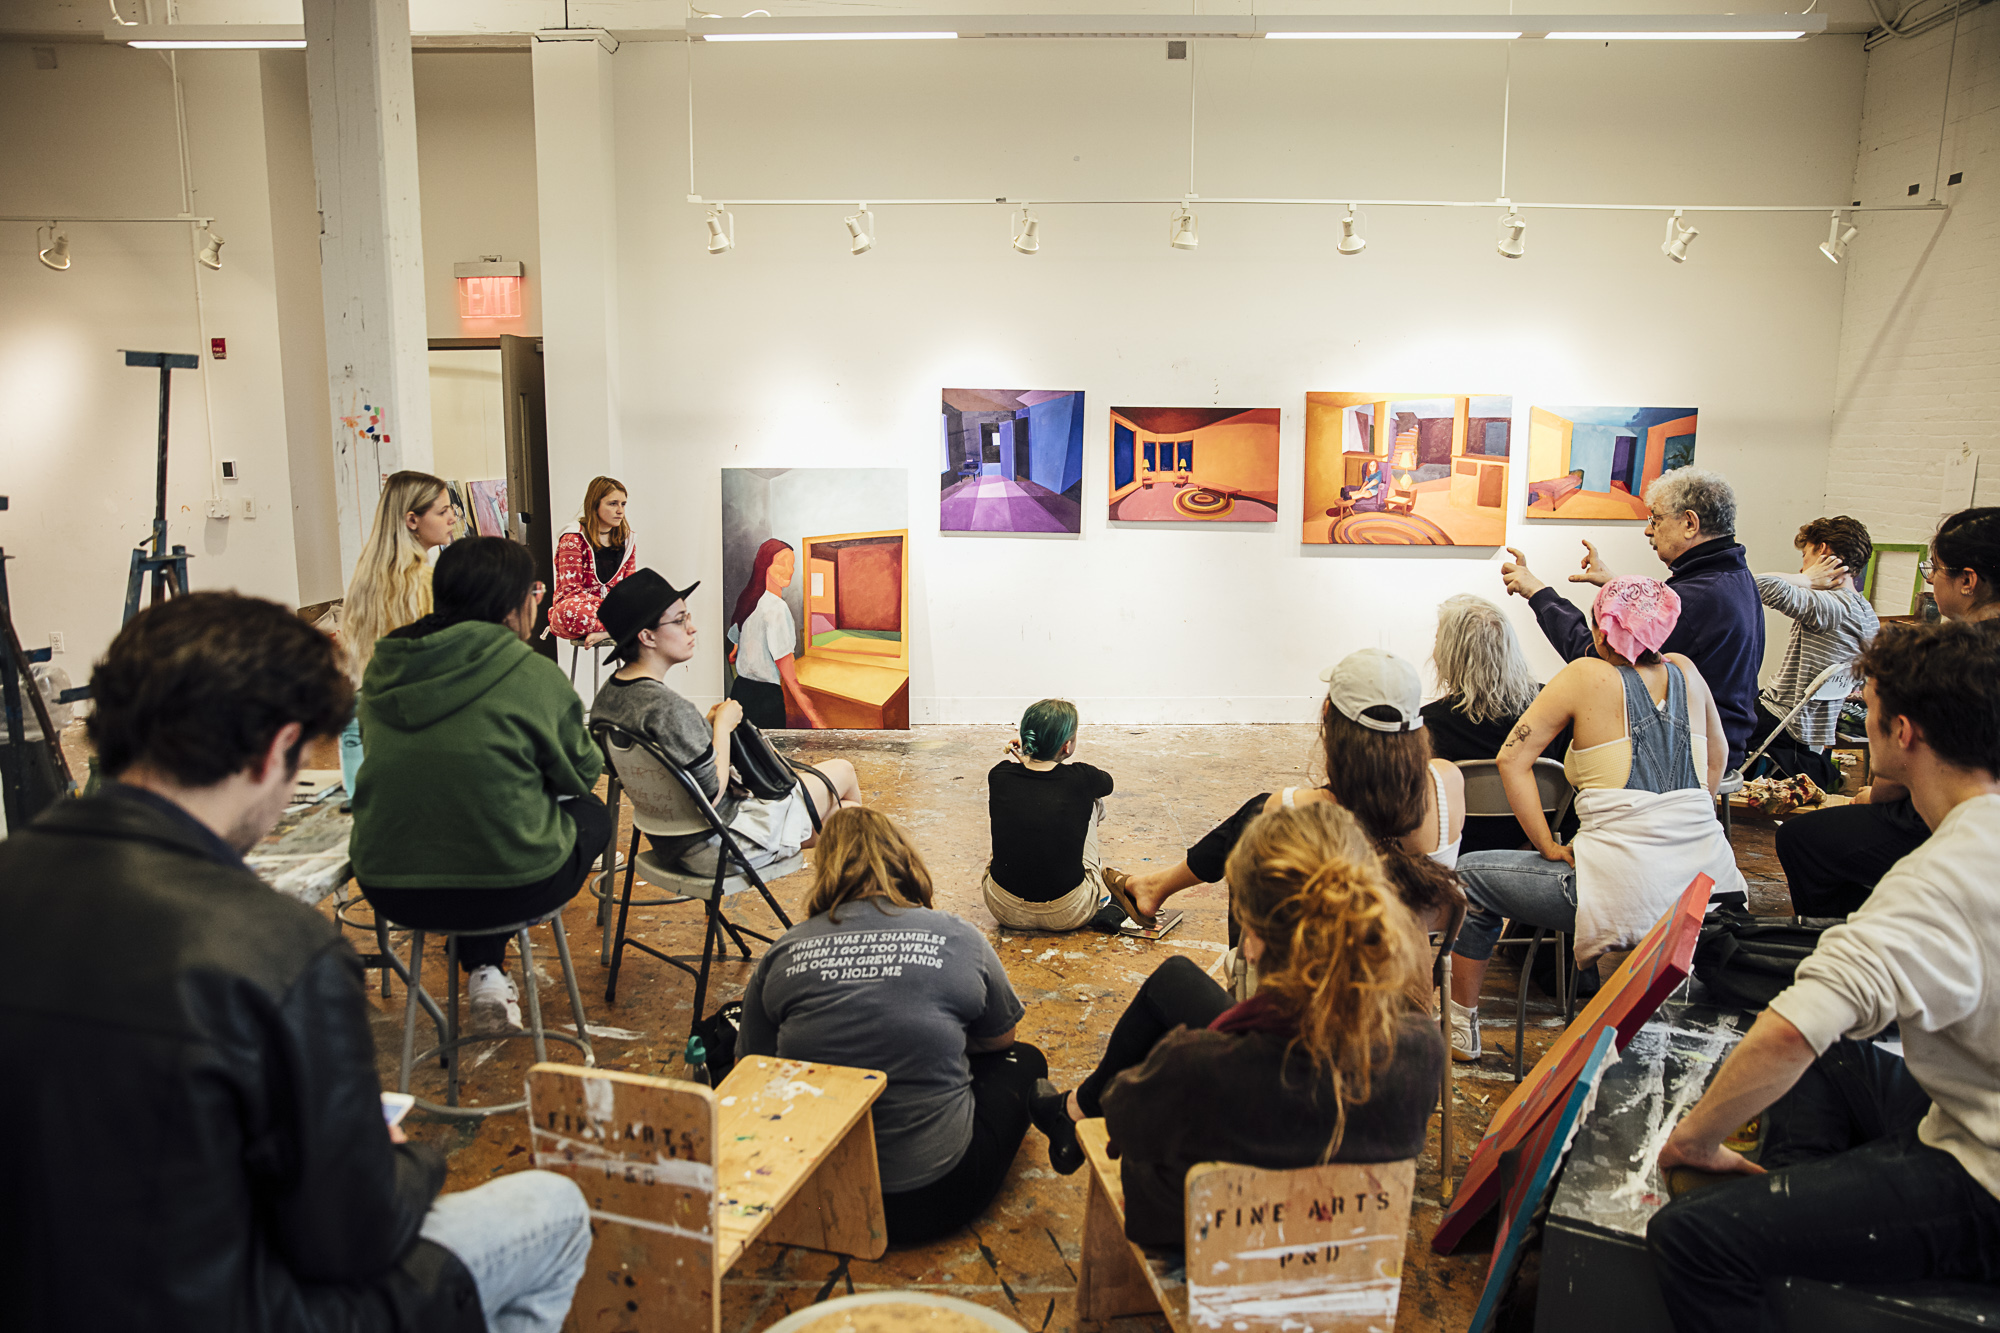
816 596
1407 469
487 501
1011 460
1595 463
1194 464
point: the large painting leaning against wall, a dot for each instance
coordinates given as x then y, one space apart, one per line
1407 469
816 596
1595 463
1011 460
1195 464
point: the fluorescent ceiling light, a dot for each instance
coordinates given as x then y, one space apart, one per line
827 36
1790 36
209 36
1401 36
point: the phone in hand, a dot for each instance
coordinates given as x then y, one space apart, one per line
396 1105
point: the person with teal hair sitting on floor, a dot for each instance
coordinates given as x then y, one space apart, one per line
1046 872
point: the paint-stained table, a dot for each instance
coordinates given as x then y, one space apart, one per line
1594 1255
305 855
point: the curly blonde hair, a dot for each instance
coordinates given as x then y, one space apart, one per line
864 854
1342 954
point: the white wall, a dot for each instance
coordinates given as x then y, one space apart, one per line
468 434
96 135
790 352
476 173
1920 328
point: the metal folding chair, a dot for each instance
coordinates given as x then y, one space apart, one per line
667 803
1486 798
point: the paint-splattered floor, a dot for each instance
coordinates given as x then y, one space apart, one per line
1173 784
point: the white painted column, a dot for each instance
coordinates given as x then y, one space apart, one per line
364 139
574 171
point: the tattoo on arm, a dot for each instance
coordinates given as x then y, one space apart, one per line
1520 736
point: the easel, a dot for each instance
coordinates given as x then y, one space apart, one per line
169 569
16 756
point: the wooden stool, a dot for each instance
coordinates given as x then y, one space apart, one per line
681 1179
1319 1247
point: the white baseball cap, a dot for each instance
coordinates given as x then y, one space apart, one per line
1372 678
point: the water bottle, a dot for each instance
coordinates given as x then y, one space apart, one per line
697 1062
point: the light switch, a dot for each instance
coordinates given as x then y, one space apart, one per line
246 506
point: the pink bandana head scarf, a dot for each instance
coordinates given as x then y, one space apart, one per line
1636 614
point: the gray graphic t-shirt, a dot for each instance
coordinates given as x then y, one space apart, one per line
895 989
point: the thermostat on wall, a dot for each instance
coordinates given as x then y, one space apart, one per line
229 469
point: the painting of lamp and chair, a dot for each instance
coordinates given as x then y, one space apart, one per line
1407 470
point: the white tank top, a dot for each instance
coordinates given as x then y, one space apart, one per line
1446 854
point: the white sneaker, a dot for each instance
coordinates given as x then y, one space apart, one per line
1464 1032
494 1000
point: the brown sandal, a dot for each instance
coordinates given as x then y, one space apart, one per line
1120 885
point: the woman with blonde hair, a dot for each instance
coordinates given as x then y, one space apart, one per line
1332 1060
591 556
877 978
391 586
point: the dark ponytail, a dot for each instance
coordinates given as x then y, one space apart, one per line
1970 539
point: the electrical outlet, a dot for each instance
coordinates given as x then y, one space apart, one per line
246 505
56 641
218 509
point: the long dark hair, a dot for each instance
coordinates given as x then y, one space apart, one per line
1382 777
746 601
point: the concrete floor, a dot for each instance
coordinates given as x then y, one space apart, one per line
1173 784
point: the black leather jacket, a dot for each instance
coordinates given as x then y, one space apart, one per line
192 1118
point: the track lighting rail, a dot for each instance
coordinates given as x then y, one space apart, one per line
1342 202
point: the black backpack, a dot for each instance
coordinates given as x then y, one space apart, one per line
1747 960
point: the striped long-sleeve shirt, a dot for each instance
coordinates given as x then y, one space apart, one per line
1827 627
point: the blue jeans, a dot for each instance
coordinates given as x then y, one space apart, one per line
1521 885
526 1239
350 755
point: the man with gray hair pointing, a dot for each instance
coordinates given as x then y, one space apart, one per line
1693 530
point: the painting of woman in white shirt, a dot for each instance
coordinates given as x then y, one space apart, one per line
763 638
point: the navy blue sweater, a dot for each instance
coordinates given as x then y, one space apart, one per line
1721 630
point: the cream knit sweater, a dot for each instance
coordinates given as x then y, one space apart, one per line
1924 950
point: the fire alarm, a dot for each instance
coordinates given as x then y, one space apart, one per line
218 349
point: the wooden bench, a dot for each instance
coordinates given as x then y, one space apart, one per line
681 1178
1317 1248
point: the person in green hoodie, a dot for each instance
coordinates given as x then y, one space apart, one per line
475 807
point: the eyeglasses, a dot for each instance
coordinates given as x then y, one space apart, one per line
685 620
1926 568
540 590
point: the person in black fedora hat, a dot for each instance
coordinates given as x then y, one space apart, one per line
652 630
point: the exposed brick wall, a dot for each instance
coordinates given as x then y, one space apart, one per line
1919 372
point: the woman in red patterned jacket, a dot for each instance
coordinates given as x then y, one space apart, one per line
594 554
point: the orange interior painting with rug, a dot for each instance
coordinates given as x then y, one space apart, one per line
1194 464
1407 469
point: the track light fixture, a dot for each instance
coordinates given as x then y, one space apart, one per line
1184 232
721 231
211 251
860 231
1513 229
1350 244
55 254
1838 236
1675 246
1027 233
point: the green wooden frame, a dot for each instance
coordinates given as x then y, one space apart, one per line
1921 549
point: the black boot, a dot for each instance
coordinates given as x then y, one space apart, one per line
1050 1112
